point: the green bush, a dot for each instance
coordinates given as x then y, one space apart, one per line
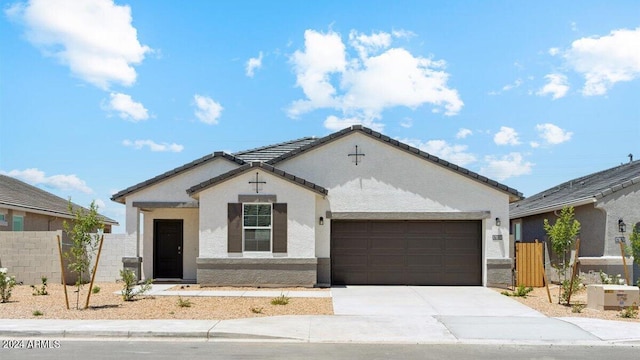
6 285
280 300
184 302
130 282
521 291
42 290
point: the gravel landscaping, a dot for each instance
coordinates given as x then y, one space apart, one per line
107 305
539 300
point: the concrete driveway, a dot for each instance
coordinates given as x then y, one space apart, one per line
426 300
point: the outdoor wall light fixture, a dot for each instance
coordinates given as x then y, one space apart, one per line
622 227
321 220
498 222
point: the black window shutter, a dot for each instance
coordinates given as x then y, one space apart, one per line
234 228
279 228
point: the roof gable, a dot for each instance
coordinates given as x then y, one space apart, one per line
585 189
18 194
121 195
252 166
513 193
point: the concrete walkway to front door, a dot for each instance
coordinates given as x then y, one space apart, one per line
426 300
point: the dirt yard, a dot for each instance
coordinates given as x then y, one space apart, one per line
539 300
107 305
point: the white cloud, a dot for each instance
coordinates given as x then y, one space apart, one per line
335 123
534 144
253 64
506 136
606 60
153 146
556 86
208 111
512 86
127 108
60 182
94 38
553 134
554 51
363 86
365 44
463 133
456 154
406 123
506 166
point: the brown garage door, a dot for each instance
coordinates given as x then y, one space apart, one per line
406 252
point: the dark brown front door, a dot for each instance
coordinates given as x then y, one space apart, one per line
406 252
167 249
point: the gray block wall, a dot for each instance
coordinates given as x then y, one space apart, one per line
29 255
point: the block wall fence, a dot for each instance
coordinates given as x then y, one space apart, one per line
29 255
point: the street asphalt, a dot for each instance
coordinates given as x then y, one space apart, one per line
363 314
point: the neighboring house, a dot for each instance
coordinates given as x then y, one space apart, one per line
607 205
27 208
354 207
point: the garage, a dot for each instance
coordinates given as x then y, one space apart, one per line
367 252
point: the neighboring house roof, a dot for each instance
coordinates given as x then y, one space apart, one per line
121 195
513 193
18 195
253 166
269 152
579 191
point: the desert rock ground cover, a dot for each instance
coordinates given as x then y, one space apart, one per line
107 305
539 300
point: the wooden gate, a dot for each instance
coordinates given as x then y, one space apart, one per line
529 264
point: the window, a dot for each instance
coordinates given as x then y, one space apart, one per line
18 223
257 227
517 231
3 220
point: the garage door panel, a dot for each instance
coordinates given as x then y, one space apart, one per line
387 260
406 252
426 244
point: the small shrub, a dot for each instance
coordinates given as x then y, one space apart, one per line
608 279
95 289
257 310
129 284
37 313
280 300
6 285
521 291
42 290
578 307
184 302
630 312
566 285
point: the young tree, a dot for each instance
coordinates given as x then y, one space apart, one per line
562 235
634 240
84 241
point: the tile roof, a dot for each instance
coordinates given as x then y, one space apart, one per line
256 165
577 191
513 193
269 152
17 194
121 195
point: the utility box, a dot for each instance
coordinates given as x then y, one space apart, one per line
612 297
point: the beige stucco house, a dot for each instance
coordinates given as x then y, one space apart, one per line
24 207
354 207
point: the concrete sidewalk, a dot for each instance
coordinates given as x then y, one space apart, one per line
436 315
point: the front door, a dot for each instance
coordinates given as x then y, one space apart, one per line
167 249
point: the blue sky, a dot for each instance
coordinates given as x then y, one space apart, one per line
97 95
